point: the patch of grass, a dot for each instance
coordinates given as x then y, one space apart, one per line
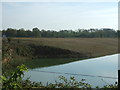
10 66
37 63
89 46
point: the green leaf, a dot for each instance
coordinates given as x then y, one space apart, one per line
3 78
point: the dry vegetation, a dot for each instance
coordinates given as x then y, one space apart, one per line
92 46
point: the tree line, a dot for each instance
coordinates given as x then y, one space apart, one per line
84 33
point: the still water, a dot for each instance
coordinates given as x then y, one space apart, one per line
90 69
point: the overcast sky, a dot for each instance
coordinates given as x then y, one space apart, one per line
60 15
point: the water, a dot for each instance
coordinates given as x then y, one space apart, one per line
103 66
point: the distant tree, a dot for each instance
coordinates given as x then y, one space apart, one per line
84 33
28 33
36 32
21 33
118 33
11 32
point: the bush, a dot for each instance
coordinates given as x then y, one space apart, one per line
14 80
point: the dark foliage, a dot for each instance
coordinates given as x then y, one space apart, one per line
84 33
52 52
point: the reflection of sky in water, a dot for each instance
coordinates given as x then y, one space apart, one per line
102 66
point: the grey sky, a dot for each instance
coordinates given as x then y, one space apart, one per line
60 15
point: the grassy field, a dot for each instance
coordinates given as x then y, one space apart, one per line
90 46
37 63
56 51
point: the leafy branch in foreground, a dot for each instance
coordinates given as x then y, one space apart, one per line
14 80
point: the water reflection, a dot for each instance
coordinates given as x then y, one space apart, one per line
102 66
